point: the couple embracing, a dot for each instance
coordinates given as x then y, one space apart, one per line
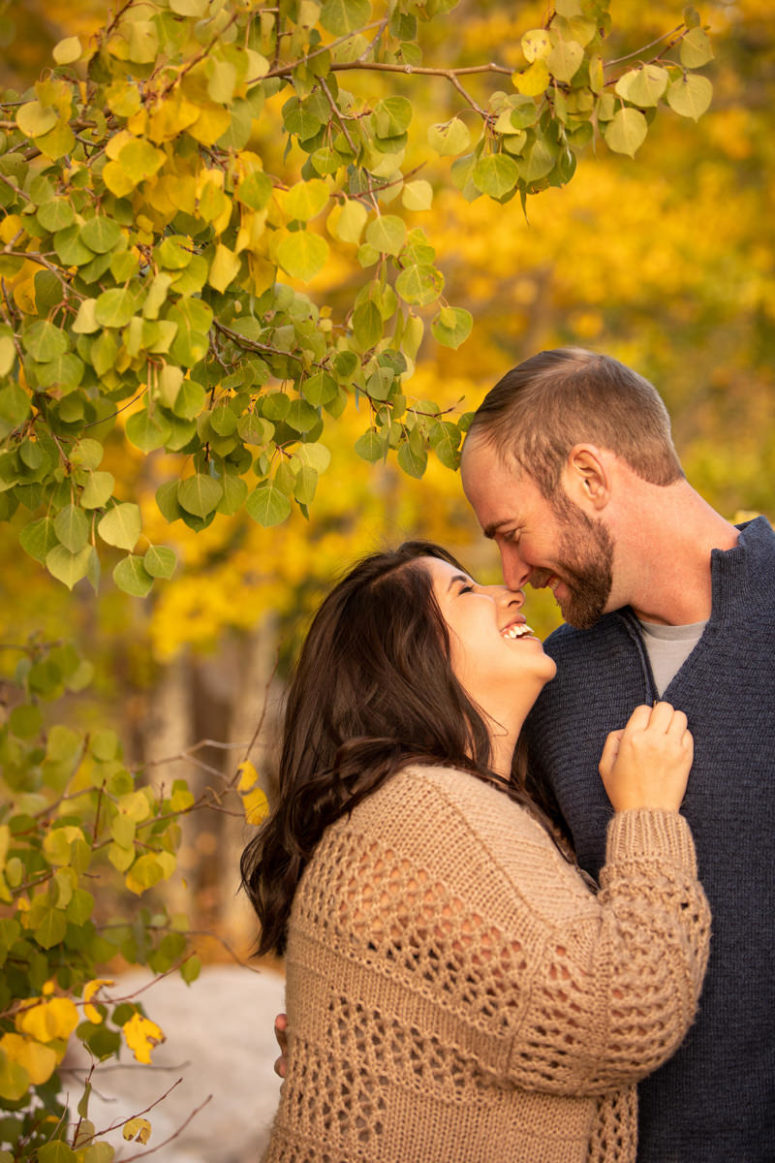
493 869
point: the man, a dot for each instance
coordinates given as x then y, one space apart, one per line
570 468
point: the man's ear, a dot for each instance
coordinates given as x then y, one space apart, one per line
586 477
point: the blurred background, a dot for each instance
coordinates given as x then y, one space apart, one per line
664 261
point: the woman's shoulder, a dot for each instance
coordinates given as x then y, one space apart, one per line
433 799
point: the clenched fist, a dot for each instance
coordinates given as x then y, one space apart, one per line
647 764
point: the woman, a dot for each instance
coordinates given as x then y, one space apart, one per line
455 991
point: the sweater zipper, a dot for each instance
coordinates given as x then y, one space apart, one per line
632 626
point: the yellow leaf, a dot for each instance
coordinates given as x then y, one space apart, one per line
89 990
117 181
5 840
213 120
142 1035
39 1061
534 80
134 805
10 227
48 1020
224 269
248 776
170 117
256 806
117 143
137 1129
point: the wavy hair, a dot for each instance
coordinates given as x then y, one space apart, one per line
373 690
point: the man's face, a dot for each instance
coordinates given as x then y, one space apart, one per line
545 543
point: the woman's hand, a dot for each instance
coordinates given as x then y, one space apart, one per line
647 764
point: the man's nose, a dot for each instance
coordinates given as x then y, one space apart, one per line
516 573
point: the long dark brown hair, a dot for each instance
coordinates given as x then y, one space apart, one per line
373 690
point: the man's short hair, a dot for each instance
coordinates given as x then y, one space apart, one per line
540 409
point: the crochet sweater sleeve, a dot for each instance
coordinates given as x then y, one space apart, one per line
453 892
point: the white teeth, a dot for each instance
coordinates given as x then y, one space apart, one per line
517 630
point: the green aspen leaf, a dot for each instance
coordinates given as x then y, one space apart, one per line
495 175
319 389
160 561
392 116
121 526
87 453
254 429
199 494
387 234
268 505
695 49
301 416
189 400
690 96
314 455
101 234
234 493
537 160
167 501
56 215
103 352
68 51
223 420
50 931
643 86
347 221
98 490
174 253
7 354
340 17
66 371
413 461
275 406
445 444
147 430
14 408
86 319
72 528
131 576
452 326
68 567
38 538
224 268
14 1083
44 341
306 484
255 190
626 131
449 138
564 60
70 251
35 119
417 195
114 308
420 285
26 721
536 44
305 200
371 446
367 324
302 254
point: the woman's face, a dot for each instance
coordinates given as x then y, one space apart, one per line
495 656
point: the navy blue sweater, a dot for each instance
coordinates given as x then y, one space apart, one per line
714 1102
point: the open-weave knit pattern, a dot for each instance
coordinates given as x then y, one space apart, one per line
456 993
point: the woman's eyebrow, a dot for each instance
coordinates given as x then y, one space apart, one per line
458 577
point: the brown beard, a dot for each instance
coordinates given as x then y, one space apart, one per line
586 560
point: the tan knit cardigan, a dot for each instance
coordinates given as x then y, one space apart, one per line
457 994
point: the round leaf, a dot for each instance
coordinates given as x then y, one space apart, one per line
452 326
450 138
626 132
100 234
199 494
690 96
268 505
131 576
302 254
387 234
121 526
72 528
495 175
160 561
